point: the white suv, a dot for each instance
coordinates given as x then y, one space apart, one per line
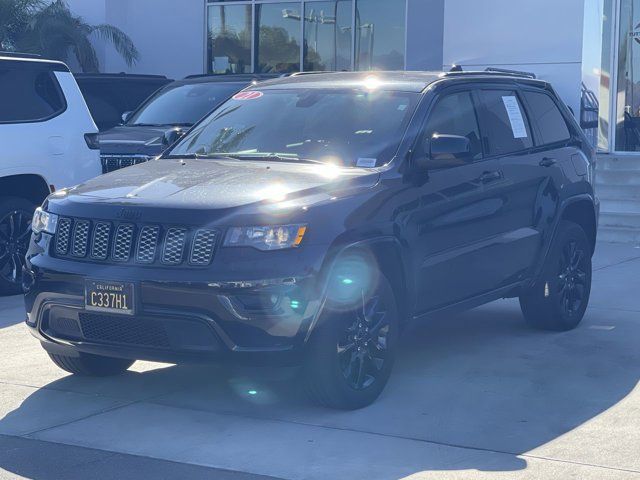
48 141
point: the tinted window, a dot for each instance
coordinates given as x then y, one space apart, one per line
28 94
229 39
455 114
504 123
183 104
545 113
349 127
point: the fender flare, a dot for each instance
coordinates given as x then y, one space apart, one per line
546 247
375 246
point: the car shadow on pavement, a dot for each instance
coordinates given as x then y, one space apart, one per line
481 381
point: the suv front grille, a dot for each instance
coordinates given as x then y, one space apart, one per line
111 163
109 242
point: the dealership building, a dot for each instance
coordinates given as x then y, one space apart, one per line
588 49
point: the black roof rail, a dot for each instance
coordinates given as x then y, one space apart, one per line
515 73
118 75
232 76
457 70
20 55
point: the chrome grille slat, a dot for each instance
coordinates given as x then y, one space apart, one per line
204 242
173 250
80 238
111 163
63 236
122 242
103 241
100 241
147 244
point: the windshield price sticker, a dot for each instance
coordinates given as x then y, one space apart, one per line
251 95
366 162
515 117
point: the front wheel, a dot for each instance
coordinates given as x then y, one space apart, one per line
559 300
351 354
15 232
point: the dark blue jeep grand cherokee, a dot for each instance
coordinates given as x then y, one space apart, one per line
309 218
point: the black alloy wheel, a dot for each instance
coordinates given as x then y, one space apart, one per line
15 232
572 278
351 352
362 350
559 299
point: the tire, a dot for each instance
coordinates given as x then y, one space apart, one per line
15 232
91 365
332 370
559 300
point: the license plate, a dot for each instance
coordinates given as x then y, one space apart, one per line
103 296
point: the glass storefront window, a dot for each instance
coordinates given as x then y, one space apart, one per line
327 35
229 42
596 72
278 46
380 34
627 128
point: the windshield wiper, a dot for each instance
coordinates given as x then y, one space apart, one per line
276 157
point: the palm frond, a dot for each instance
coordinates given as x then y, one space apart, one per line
120 41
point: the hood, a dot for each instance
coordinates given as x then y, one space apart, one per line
133 140
220 184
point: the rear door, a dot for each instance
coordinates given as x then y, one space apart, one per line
512 138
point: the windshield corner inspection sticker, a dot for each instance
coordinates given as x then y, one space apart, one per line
250 95
515 117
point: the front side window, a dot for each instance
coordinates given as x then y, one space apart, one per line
184 104
346 127
546 115
455 114
504 123
28 93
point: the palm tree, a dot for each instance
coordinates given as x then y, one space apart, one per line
53 31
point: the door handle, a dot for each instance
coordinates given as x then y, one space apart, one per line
547 162
488 177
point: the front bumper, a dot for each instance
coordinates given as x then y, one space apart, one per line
181 318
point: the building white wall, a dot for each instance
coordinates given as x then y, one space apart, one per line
169 34
541 36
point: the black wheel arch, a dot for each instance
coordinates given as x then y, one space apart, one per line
389 257
29 186
580 209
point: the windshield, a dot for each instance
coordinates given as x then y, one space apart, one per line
183 104
347 127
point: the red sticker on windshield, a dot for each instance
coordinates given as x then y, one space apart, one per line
250 95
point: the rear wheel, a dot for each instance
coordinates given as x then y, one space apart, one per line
351 354
91 365
558 302
15 231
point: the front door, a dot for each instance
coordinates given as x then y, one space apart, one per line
449 230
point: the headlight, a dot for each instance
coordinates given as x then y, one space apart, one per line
266 237
44 221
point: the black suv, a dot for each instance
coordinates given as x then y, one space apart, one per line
110 95
309 218
164 117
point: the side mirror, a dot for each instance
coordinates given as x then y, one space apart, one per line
126 116
173 136
445 151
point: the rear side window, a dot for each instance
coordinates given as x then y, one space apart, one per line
546 115
28 94
504 124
